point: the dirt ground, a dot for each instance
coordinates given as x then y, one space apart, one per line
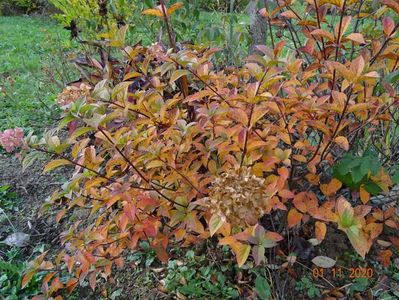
32 189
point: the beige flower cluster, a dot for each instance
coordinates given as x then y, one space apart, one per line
240 197
72 93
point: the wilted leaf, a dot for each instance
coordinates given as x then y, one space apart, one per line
324 262
384 257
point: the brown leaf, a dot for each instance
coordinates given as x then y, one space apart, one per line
384 257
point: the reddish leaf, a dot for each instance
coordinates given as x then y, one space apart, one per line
388 25
294 217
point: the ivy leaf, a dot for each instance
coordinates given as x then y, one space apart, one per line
262 287
357 174
395 176
372 188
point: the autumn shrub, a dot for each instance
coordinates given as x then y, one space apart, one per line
12 7
169 149
92 17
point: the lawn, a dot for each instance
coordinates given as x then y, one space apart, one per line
32 70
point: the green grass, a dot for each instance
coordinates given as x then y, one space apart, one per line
32 70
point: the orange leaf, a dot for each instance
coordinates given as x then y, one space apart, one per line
356 37
27 277
342 142
321 229
385 257
153 12
60 214
294 217
71 284
313 178
364 195
331 188
323 33
174 7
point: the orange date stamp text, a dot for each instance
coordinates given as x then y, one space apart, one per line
341 272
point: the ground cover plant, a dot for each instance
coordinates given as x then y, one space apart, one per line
270 158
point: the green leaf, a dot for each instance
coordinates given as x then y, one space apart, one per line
375 166
357 174
365 167
395 176
262 287
80 131
372 188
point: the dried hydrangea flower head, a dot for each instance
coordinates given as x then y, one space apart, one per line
72 93
11 139
239 197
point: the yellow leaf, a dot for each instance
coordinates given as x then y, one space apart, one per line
359 106
241 251
55 164
153 12
131 75
215 223
174 7
154 164
342 142
358 240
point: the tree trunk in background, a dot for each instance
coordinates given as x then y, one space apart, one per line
256 27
